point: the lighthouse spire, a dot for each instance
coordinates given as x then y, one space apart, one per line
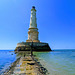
33 30
33 23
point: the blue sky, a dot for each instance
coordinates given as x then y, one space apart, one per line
55 21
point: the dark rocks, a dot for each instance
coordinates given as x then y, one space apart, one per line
43 70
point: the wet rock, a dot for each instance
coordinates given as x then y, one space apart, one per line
43 70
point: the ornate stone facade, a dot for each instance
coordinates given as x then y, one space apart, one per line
33 30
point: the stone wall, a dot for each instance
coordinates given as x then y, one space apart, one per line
36 46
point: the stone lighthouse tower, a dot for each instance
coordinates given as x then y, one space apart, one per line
33 37
33 30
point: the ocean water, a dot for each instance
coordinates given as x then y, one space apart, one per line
58 62
6 58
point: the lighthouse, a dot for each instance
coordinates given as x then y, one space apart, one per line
33 37
33 30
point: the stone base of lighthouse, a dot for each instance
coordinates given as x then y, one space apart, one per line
37 46
32 40
33 35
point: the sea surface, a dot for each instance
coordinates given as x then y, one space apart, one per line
7 57
57 62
